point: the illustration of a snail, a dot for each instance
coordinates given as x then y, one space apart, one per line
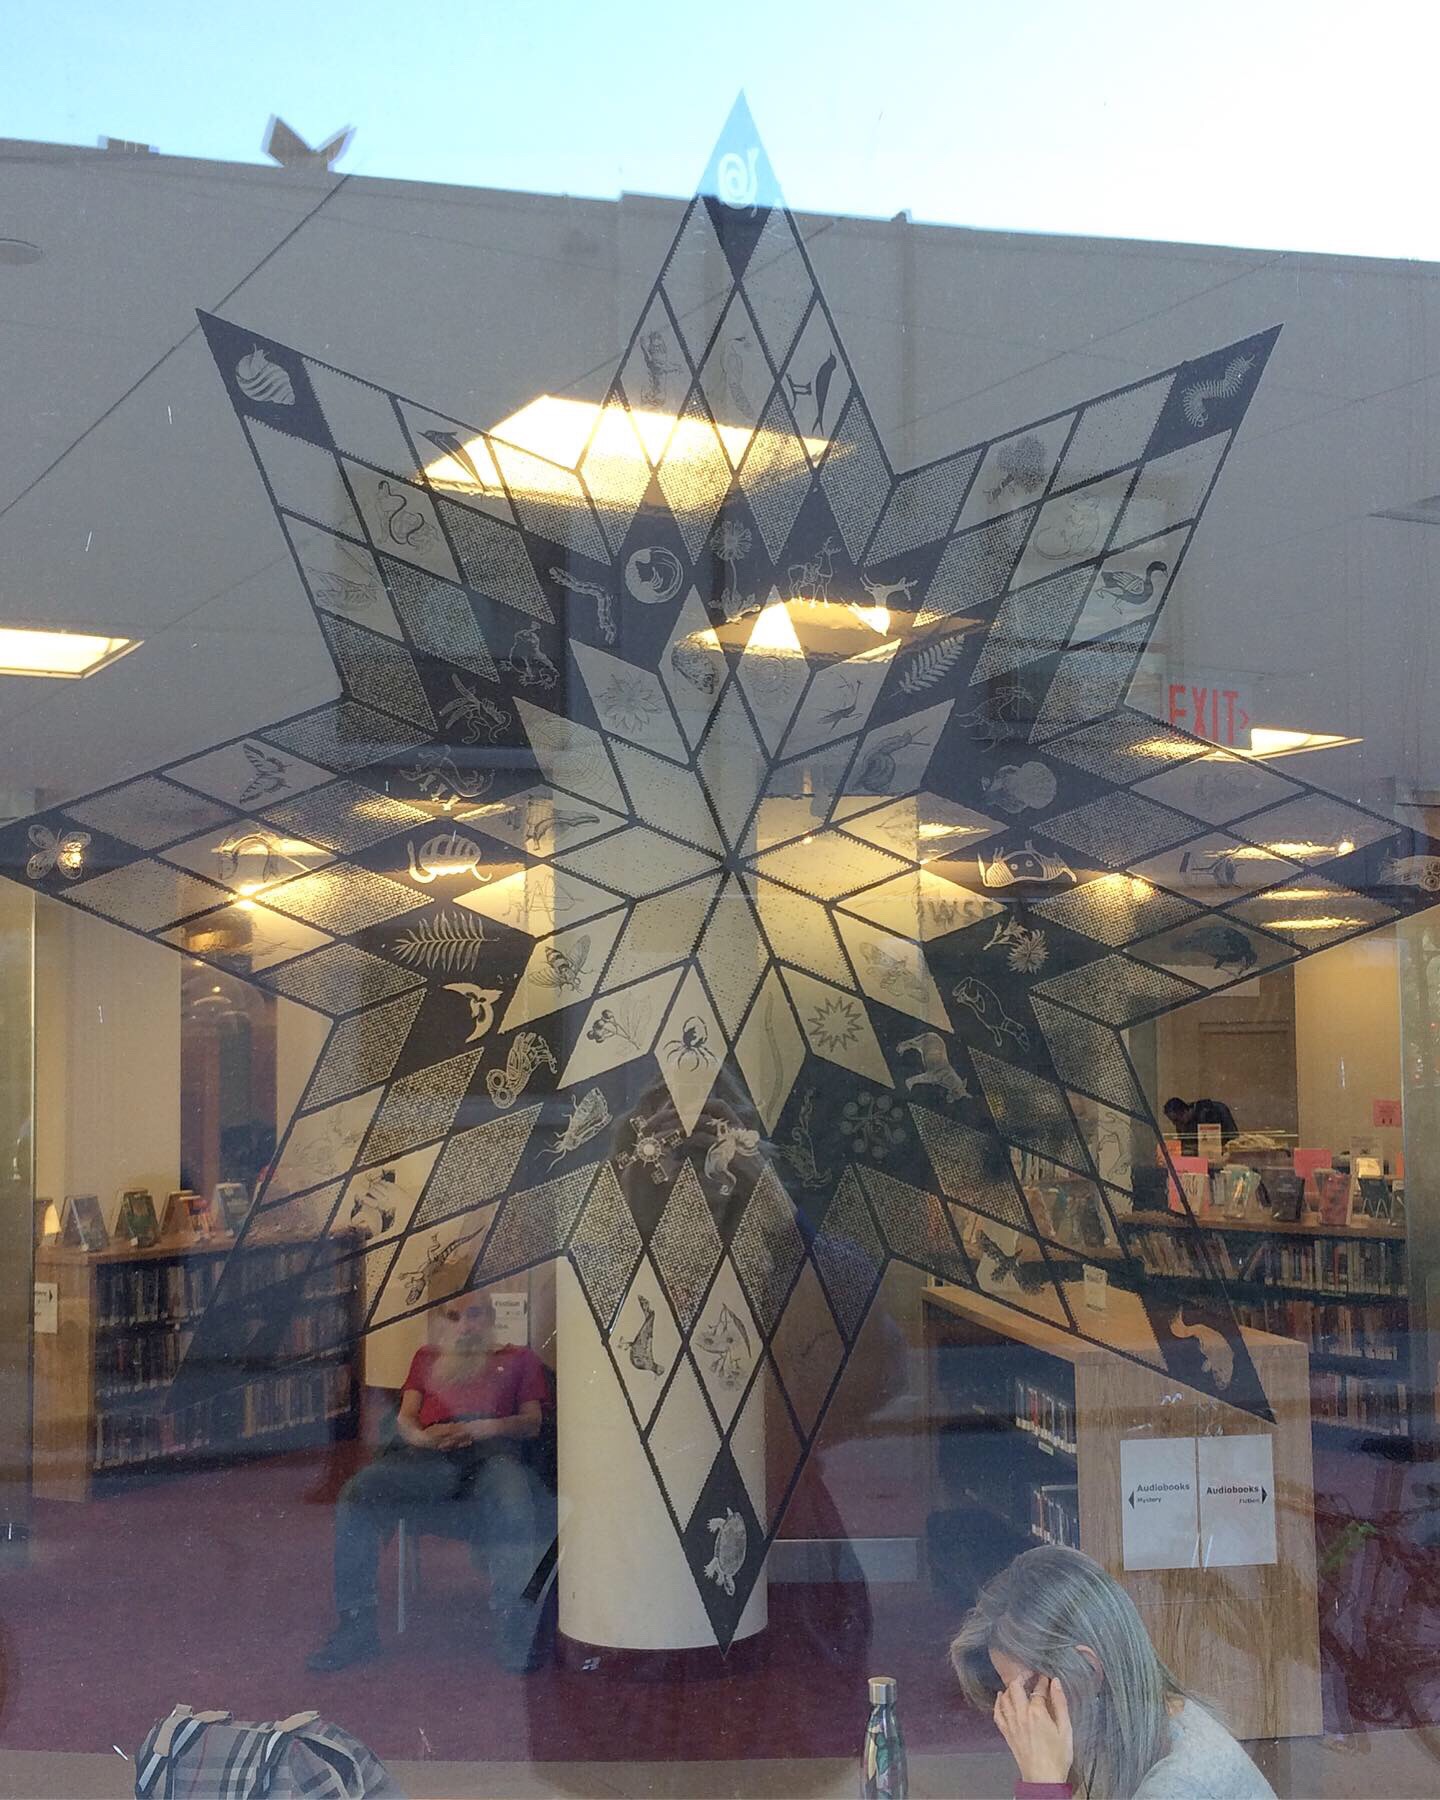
735 178
264 381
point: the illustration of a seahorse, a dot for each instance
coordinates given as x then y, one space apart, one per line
1193 398
403 522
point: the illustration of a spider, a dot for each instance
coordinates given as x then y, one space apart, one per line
692 1048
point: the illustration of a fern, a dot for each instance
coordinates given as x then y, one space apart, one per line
932 662
449 941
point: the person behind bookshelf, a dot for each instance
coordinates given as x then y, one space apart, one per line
1055 1651
467 1407
1187 1116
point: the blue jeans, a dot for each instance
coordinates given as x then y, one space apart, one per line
488 1499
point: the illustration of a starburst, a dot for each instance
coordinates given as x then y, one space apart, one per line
752 828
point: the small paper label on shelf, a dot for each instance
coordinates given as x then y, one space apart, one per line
1158 1511
512 1318
1097 1289
1237 1501
47 1307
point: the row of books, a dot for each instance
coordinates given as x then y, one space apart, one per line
1331 1265
174 1291
1055 1514
1329 1327
261 1266
1045 1416
149 1293
124 1438
283 1402
265 1407
1379 1407
133 1363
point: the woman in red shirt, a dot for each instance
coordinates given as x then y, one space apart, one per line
467 1407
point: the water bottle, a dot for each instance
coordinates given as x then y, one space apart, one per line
883 1774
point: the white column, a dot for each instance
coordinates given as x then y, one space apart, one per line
624 1581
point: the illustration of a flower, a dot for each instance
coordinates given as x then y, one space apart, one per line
627 704
874 1124
1028 952
731 541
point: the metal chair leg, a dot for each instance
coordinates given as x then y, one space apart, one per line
407 1572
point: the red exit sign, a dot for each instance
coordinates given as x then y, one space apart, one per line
1217 713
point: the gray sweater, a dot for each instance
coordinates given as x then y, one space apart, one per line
1205 1763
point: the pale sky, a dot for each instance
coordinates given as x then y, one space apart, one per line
1287 124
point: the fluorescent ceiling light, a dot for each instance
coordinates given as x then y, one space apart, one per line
1333 923
65 655
559 431
1296 852
1266 740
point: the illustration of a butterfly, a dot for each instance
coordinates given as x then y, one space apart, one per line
562 970
64 850
1029 1277
270 774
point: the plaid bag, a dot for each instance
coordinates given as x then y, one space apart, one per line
207 1756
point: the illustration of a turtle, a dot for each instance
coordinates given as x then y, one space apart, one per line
731 1544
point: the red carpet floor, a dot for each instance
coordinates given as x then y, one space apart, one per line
212 1589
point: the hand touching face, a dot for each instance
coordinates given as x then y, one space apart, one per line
1034 1720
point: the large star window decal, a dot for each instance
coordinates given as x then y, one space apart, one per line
730 865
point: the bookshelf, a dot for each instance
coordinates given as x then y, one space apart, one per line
123 1319
1027 1424
1342 1290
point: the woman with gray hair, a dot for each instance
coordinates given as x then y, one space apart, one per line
1056 1651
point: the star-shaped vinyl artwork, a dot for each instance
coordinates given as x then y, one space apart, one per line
729 864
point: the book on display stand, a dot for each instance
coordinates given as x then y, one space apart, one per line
136 1218
82 1224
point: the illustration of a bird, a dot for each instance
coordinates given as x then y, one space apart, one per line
1217 1355
727 1343
269 774
454 447
1124 589
481 1002
641 1348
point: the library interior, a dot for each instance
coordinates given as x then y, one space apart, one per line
758 877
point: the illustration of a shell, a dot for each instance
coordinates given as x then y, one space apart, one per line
264 381
1007 867
695 666
447 853
1019 786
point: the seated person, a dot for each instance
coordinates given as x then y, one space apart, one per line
466 1410
1186 1116
1056 1652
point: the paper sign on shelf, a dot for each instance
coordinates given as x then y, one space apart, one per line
1237 1501
512 1318
1159 1514
1386 1114
47 1307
